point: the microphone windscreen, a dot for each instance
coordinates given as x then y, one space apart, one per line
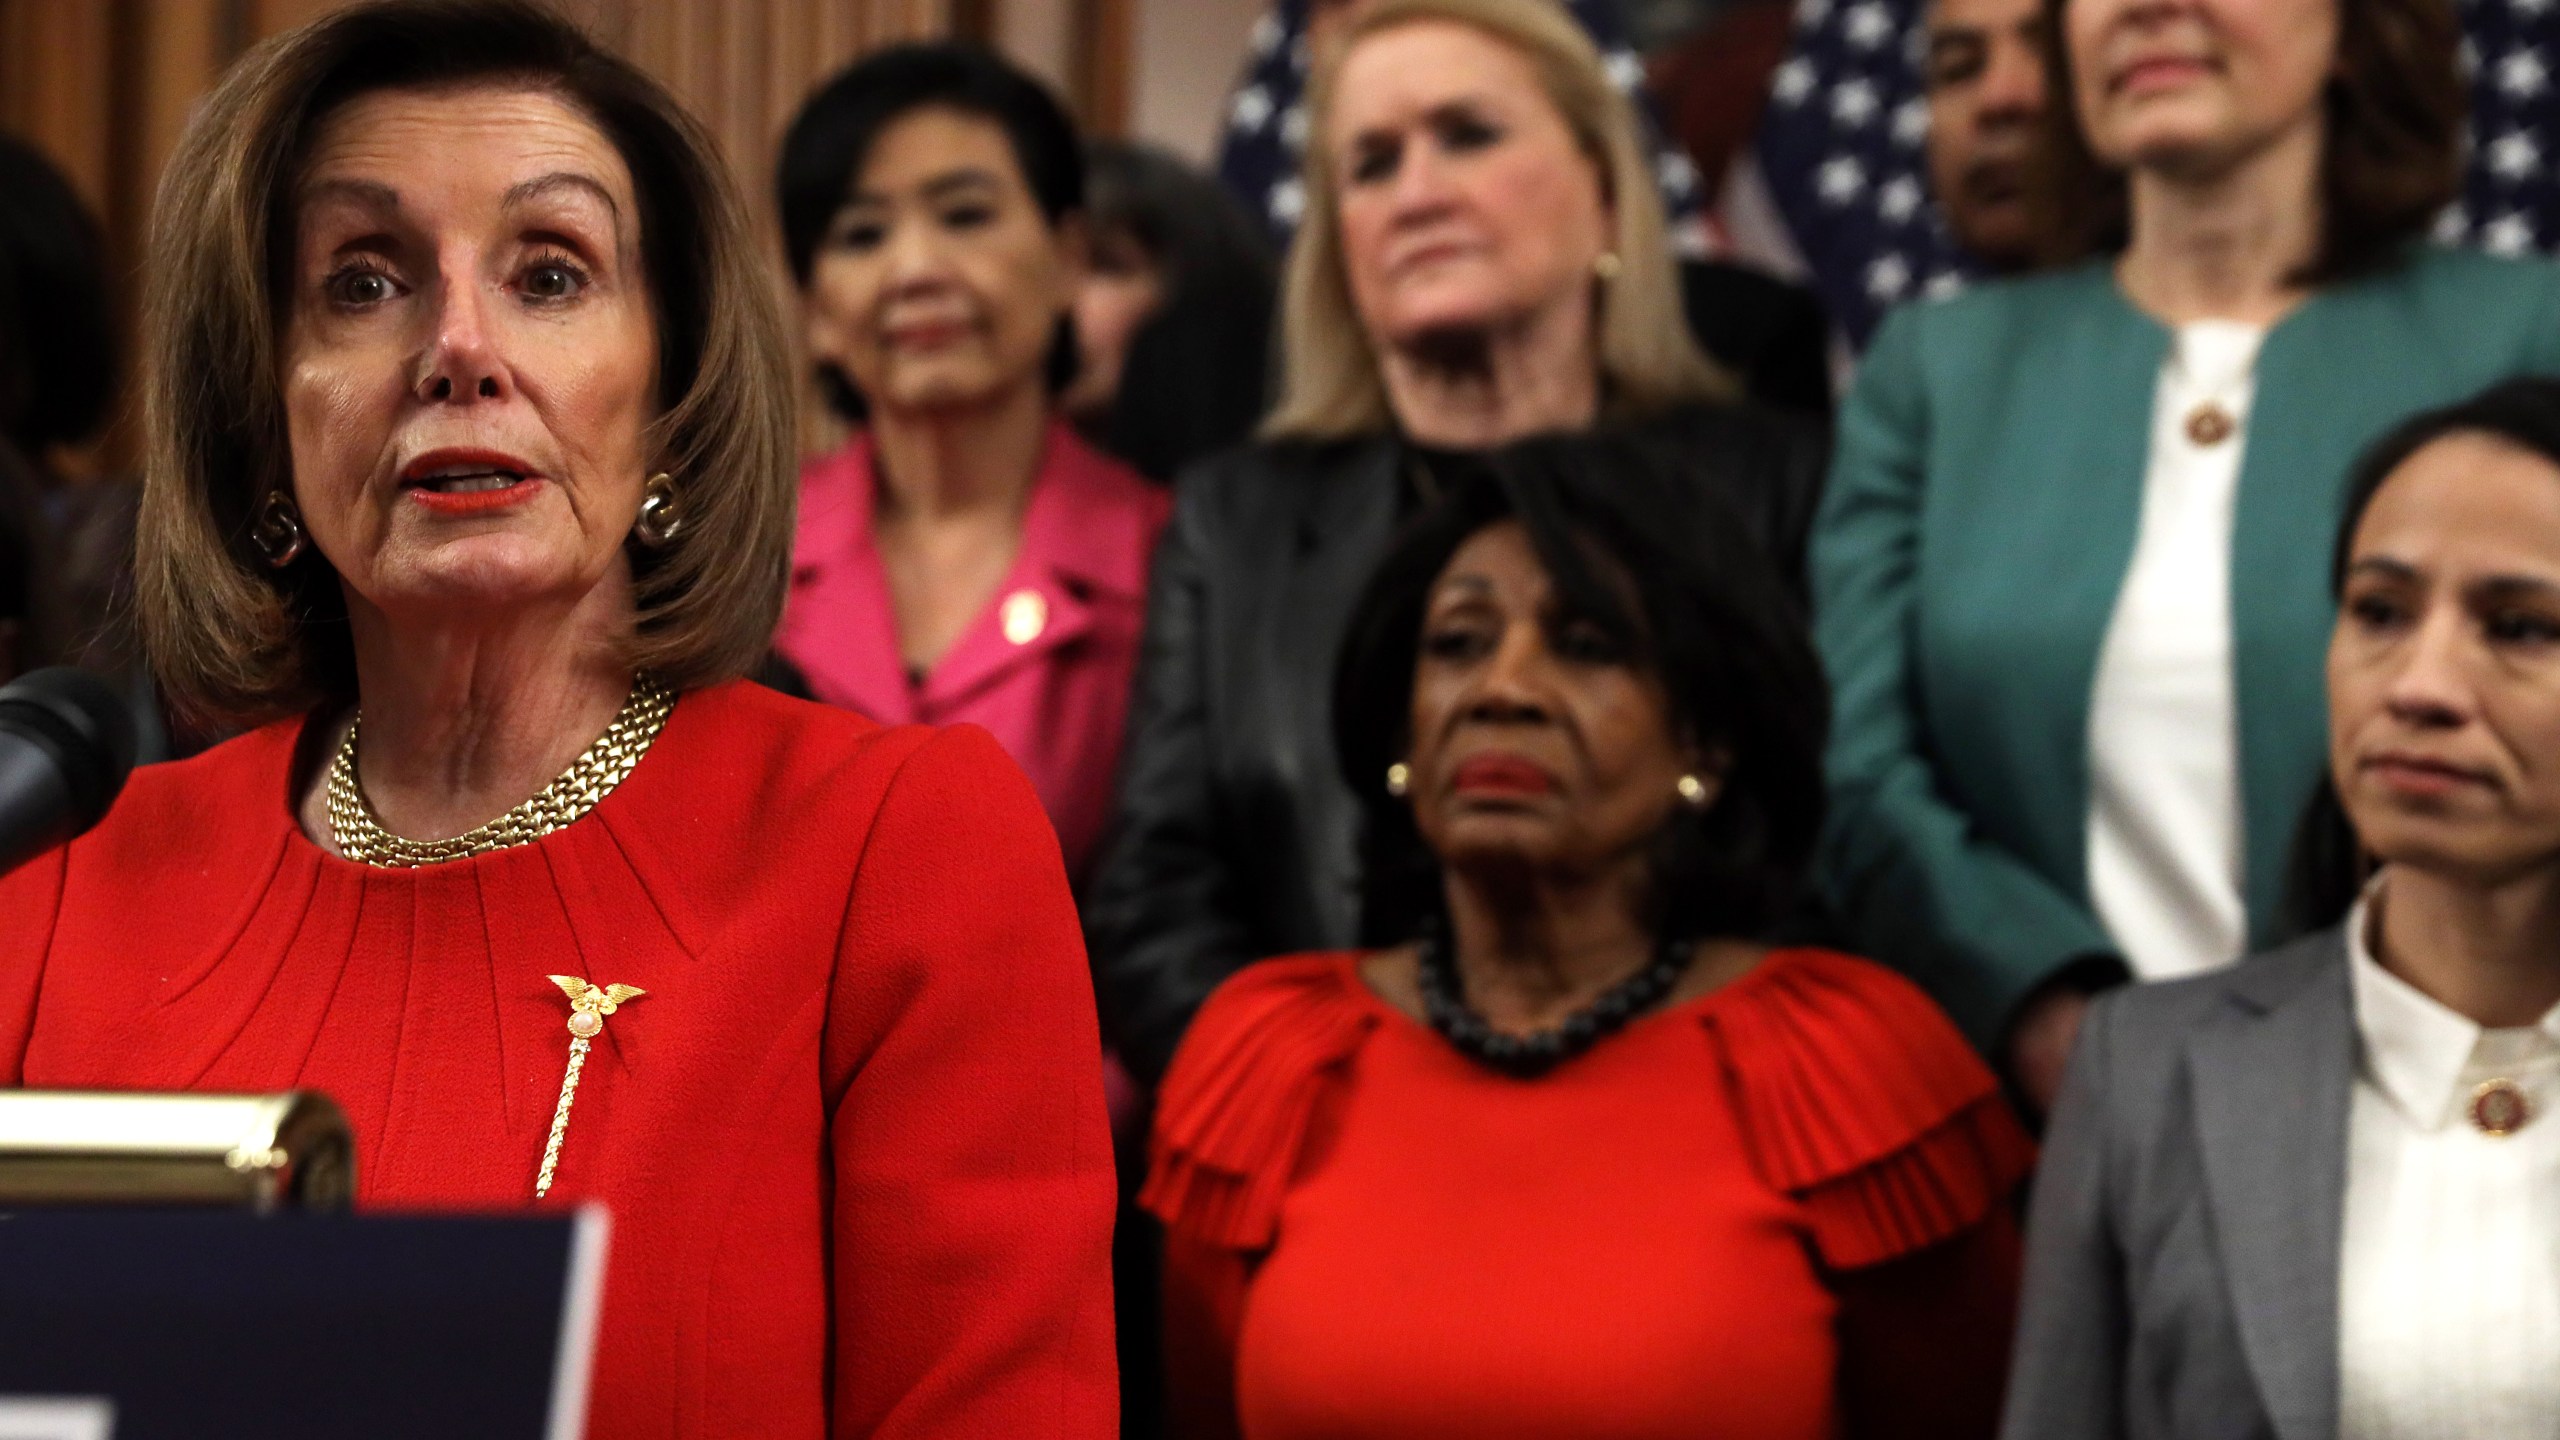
83 727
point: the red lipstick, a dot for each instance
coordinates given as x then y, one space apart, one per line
1502 774
476 502
462 480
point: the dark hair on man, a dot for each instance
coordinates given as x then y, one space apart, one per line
831 139
57 337
2328 866
1652 556
2397 108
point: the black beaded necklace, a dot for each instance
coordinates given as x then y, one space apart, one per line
1528 1056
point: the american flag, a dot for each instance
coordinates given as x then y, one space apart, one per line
1840 148
1266 129
2510 197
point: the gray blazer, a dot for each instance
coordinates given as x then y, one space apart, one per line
2182 1248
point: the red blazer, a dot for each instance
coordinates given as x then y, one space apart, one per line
852 1138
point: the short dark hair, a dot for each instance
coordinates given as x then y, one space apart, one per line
57 335
1608 516
2397 109
1197 374
2327 866
831 139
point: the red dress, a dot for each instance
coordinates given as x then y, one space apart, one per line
1775 1212
852 1139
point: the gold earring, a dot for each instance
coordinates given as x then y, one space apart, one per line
1693 792
1399 779
277 530
659 520
1608 266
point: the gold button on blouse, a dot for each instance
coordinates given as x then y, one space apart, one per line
2209 424
2500 1107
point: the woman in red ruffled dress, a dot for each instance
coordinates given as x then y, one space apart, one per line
1575 1157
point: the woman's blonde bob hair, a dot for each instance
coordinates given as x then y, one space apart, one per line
1330 385
236 641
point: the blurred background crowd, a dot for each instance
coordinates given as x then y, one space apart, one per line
1935 414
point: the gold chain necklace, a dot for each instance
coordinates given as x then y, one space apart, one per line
590 778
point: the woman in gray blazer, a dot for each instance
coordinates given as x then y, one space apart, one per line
2319 1195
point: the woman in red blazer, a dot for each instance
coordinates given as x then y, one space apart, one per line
470 484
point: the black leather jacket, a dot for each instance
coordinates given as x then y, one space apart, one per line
1236 837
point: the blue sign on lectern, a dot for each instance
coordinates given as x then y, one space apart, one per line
176 1325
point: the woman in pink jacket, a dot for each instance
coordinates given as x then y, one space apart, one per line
966 558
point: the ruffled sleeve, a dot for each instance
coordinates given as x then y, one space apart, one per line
1233 1112
1858 1098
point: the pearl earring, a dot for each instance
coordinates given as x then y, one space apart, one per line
1693 792
1399 779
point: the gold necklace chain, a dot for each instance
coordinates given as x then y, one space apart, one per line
590 778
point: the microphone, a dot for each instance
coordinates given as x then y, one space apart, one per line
66 745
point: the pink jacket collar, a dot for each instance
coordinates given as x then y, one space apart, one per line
1087 536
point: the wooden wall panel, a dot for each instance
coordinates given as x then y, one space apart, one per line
1106 43
56 65
744 66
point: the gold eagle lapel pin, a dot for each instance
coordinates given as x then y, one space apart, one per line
588 1006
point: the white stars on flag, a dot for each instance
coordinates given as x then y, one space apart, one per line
1869 25
1889 278
2522 76
2513 156
1794 81
1843 179
1252 108
1854 102
1898 199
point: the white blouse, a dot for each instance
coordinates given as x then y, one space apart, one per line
2165 848
2449 1276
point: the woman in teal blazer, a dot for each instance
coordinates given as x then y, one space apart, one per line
1989 482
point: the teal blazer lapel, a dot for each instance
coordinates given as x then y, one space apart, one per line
2270 1085
2034 497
